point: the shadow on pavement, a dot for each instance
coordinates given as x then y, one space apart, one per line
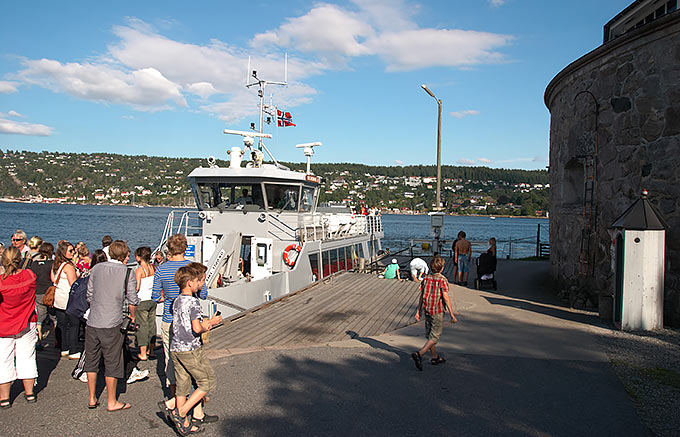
590 319
355 392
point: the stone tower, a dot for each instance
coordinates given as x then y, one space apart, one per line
614 131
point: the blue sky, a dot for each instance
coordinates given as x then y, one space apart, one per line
166 78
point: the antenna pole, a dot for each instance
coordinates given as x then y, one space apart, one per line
248 72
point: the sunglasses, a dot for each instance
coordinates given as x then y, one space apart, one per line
17 239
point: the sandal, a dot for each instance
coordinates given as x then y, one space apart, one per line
93 406
125 406
31 399
182 429
207 418
5 404
166 412
438 360
418 360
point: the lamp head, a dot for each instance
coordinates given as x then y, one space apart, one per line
427 90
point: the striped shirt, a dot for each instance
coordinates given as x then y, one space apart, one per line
164 280
432 288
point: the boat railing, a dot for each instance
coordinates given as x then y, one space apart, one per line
334 226
180 221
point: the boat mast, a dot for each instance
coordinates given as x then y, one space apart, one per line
262 83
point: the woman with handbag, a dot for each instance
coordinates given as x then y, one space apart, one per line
63 276
18 332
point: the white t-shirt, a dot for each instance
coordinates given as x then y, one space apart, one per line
106 251
419 265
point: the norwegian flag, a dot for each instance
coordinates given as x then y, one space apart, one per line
284 119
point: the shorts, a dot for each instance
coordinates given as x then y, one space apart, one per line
434 324
17 355
193 364
41 310
463 264
166 335
106 343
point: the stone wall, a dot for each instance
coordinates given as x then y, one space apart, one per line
635 80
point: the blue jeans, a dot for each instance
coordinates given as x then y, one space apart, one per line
463 264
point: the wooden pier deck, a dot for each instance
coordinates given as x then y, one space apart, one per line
325 312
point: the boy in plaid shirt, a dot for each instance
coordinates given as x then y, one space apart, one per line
433 290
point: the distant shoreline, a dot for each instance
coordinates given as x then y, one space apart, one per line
10 200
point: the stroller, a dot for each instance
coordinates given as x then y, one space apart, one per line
486 271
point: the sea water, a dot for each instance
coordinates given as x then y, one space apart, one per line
144 227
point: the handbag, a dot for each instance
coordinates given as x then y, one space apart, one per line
127 326
48 298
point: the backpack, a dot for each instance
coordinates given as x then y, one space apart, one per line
77 299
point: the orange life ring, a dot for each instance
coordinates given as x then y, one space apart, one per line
286 258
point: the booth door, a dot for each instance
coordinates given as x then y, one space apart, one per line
618 290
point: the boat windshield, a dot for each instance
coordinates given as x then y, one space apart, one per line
283 197
222 195
307 199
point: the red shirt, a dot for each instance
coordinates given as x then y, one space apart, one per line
17 302
432 287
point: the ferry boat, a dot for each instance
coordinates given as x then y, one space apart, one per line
259 228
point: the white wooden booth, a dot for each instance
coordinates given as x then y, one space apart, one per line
639 237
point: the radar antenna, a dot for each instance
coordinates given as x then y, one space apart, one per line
309 152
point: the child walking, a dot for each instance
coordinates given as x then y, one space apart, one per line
433 290
186 349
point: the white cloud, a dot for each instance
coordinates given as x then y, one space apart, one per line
523 159
423 48
21 128
145 89
485 160
13 113
497 3
464 113
399 162
7 87
128 117
466 161
326 29
384 29
149 71
202 89
388 14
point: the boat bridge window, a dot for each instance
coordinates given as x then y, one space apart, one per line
283 197
225 196
307 199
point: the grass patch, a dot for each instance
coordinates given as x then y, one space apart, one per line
663 376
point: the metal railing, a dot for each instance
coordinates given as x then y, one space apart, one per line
334 226
180 221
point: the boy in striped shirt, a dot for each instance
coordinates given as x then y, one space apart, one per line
434 294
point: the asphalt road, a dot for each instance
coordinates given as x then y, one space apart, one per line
517 365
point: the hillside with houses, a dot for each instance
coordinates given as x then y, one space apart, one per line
149 180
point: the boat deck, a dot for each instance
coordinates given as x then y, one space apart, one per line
325 312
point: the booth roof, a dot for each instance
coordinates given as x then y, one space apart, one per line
641 215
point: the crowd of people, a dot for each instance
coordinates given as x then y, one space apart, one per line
91 304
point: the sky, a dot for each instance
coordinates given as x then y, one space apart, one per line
165 78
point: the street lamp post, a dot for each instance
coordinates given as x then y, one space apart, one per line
439 147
